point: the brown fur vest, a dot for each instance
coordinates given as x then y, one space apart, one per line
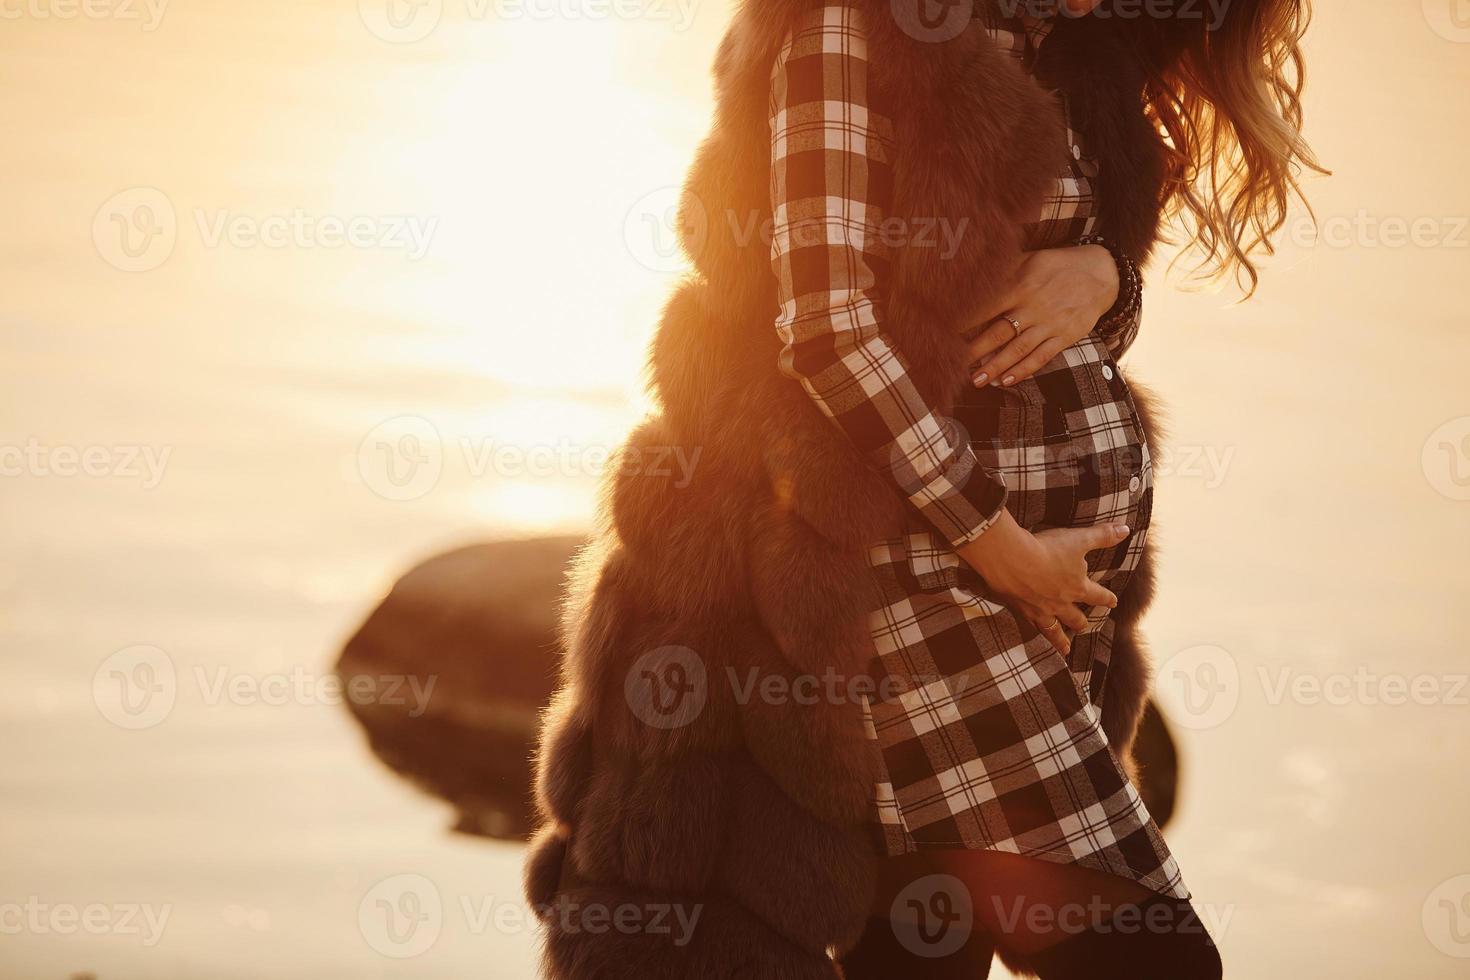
673 790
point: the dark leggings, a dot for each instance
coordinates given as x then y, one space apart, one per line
1162 939
879 955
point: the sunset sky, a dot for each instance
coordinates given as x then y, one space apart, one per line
322 288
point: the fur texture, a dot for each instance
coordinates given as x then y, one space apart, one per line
755 808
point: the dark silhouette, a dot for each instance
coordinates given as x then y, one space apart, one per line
480 622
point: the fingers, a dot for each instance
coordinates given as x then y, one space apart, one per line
1047 624
991 339
1102 536
1095 595
1035 361
1055 623
1072 618
1055 626
998 367
1007 303
1051 628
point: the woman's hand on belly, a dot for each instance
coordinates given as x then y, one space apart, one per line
1043 576
1059 296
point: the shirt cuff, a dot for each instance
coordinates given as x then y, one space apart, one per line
1119 336
963 501
1119 325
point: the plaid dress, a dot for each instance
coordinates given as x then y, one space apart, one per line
986 737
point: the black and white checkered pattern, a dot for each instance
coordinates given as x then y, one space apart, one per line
995 741
1070 210
830 181
985 736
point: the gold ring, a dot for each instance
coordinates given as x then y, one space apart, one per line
1013 322
1054 624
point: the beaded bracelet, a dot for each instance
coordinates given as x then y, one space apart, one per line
1130 288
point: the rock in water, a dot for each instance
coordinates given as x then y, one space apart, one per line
479 624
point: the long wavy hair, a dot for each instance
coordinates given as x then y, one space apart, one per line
1227 96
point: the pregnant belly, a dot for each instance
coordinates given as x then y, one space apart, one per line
1070 448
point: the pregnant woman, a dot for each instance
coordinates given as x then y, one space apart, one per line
856 698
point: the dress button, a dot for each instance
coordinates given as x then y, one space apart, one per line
1108 372
1134 484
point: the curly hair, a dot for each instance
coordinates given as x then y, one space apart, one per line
1227 97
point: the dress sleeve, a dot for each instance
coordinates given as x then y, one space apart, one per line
830 188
